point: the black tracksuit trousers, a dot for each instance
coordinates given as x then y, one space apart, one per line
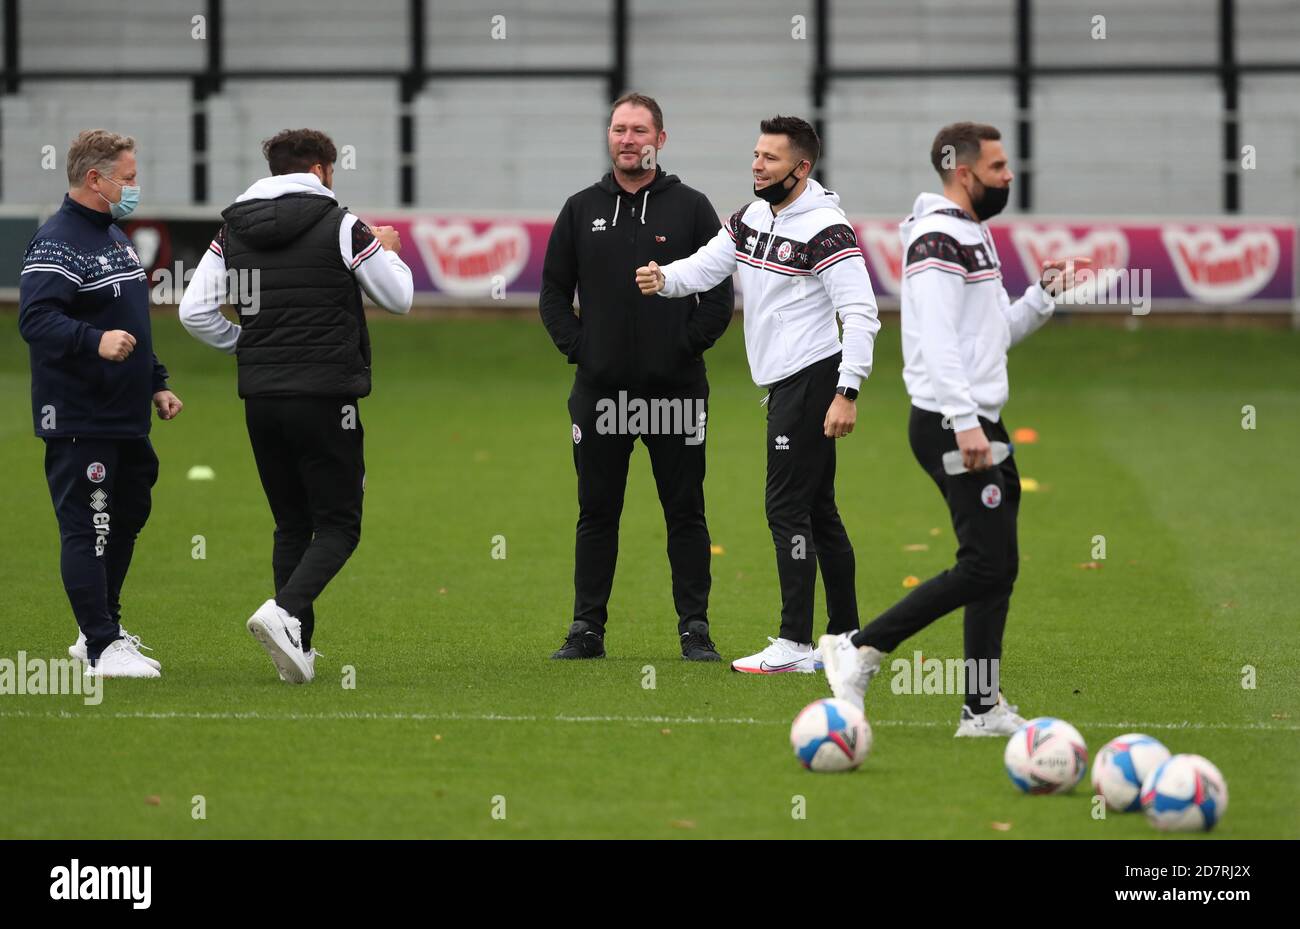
310 457
984 506
600 457
801 512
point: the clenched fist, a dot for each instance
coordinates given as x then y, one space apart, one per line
650 279
388 238
167 404
116 345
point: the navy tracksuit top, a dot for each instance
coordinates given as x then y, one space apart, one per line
81 278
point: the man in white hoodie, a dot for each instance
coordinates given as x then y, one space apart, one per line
799 265
958 323
296 264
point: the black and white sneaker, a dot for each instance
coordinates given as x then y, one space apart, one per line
281 635
696 644
585 640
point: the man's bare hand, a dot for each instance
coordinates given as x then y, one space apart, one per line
976 454
388 238
650 279
167 404
1058 274
116 345
840 418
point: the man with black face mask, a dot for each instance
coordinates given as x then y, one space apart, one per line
958 323
801 270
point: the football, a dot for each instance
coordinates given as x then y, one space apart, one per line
1185 794
830 735
1122 766
1046 756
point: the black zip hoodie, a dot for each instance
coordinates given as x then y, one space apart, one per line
624 340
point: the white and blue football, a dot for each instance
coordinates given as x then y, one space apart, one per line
1046 756
830 735
1121 767
1185 794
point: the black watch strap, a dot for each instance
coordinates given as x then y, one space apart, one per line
848 393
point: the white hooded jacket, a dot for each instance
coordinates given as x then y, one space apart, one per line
958 321
790 319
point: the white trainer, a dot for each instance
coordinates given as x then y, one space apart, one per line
281 635
849 669
779 657
998 721
311 656
120 660
78 648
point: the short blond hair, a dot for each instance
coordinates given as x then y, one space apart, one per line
98 149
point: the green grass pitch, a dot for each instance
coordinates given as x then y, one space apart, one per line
457 714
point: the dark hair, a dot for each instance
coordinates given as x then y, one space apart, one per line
636 99
964 139
294 151
802 136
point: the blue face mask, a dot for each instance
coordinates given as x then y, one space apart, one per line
126 205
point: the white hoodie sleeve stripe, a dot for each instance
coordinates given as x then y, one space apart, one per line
712 263
386 280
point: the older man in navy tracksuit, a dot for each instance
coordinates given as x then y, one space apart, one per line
84 312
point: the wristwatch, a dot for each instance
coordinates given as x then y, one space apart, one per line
848 393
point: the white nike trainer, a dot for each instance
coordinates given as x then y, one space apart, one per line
1000 720
779 657
281 635
78 648
849 669
120 660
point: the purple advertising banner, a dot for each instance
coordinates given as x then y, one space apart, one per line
1205 264
1216 264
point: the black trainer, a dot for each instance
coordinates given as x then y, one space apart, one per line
696 644
584 641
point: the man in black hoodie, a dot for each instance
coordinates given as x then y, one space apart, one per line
639 369
296 263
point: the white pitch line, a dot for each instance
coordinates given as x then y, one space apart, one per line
563 718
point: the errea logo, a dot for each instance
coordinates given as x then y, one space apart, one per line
598 225
782 443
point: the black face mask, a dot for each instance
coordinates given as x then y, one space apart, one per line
991 202
775 193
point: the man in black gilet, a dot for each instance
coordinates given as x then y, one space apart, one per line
296 264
